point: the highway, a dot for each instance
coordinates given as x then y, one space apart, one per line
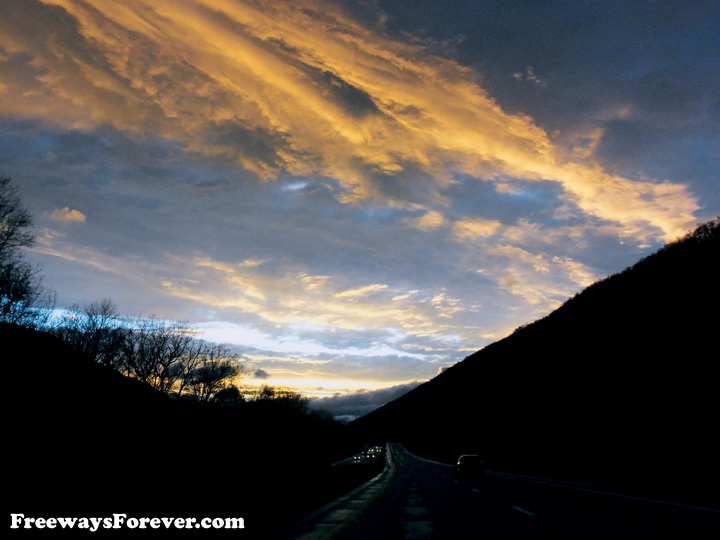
414 498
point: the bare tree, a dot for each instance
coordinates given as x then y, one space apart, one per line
15 221
94 330
23 299
152 348
164 354
217 370
177 344
183 371
168 356
104 333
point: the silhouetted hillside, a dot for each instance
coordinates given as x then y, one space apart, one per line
81 436
620 380
83 440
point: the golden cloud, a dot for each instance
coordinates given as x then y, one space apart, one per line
298 86
430 220
361 291
67 216
474 228
542 282
311 301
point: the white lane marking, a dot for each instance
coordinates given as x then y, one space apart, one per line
338 514
416 524
526 512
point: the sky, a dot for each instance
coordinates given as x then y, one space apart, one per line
355 195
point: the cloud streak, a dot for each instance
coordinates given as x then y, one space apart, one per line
299 87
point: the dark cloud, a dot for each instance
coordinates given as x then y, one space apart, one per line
48 22
351 99
19 69
408 184
349 407
261 374
354 101
254 144
659 58
530 200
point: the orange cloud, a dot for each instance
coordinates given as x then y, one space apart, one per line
475 228
67 216
300 87
361 291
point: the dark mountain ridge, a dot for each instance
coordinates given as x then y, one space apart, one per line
620 381
82 434
83 439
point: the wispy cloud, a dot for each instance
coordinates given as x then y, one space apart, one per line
361 291
474 228
540 280
298 299
300 87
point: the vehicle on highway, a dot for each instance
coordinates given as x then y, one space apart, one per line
470 466
373 452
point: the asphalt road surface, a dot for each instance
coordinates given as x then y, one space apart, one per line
415 498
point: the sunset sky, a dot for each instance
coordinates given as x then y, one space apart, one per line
355 194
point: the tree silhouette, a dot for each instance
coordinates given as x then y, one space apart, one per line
94 330
216 371
229 396
23 299
154 351
15 221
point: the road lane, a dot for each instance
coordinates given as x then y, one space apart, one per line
414 498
